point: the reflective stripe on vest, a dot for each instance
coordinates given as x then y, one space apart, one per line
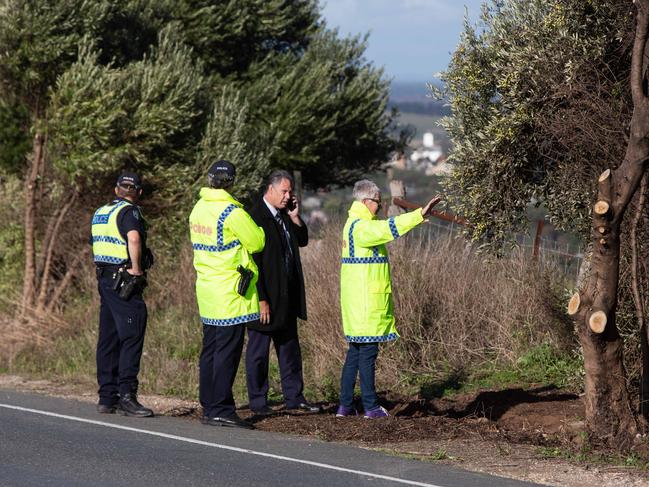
219 247
237 320
375 259
108 246
372 339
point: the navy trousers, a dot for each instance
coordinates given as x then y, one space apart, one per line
361 360
222 347
122 325
289 356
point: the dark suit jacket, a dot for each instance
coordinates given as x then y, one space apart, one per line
273 282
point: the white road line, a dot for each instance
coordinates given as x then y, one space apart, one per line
222 447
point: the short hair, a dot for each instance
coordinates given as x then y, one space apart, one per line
365 190
220 180
277 176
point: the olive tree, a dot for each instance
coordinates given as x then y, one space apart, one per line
549 105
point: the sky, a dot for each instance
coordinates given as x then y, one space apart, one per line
411 39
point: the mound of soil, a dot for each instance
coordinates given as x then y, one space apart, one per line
544 416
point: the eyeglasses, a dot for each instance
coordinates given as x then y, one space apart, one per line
378 202
128 187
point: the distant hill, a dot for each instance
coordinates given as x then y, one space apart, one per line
414 97
418 111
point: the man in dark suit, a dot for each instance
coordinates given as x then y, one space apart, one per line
281 297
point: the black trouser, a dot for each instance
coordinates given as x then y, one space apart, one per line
222 347
122 324
289 356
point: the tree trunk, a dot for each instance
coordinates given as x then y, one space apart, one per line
609 416
638 289
608 413
31 184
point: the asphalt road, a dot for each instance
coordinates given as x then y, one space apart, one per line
47 441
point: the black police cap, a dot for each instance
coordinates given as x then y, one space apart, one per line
222 168
128 177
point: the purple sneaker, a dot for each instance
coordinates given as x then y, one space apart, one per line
345 411
377 412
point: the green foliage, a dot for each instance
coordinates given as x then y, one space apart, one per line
231 135
231 35
125 30
14 143
38 42
541 365
11 241
133 84
325 110
147 115
548 365
326 389
538 98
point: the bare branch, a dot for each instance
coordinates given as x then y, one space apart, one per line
45 278
65 282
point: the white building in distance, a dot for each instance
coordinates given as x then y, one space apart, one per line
429 157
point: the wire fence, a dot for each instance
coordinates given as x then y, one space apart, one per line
554 248
557 249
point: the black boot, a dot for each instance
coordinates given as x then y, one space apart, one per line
129 406
106 408
233 421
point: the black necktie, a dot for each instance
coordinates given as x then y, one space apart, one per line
288 251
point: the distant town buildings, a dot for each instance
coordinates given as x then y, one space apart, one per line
429 157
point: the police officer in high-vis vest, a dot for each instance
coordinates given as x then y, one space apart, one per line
121 256
366 292
224 237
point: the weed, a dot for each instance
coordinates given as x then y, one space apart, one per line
635 461
585 455
327 389
504 450
552 452
440 454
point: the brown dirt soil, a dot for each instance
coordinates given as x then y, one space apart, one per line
497 432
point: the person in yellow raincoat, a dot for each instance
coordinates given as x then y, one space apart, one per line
223 237
366 292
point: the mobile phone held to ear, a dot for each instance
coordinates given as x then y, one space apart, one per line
290 204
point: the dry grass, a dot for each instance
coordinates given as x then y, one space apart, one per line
455 310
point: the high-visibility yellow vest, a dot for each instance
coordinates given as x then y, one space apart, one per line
108 245
223 237
365 287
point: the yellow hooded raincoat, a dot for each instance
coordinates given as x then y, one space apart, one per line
223 237
365 288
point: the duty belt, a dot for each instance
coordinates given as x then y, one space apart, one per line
106 271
